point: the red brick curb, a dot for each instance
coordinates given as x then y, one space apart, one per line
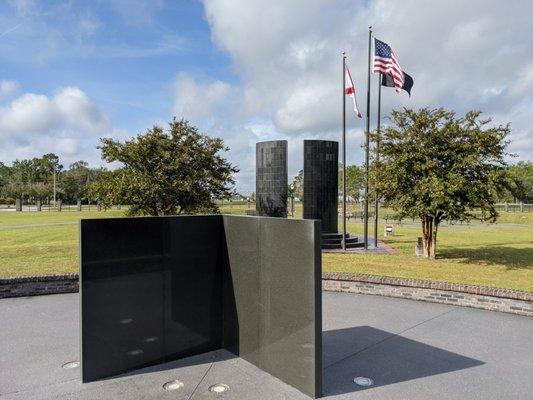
419 283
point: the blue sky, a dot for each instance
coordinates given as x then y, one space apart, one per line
123 57
72 72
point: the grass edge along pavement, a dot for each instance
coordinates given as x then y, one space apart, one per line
498 255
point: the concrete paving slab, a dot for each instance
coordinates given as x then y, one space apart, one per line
38 333
245 381
412 350
449 353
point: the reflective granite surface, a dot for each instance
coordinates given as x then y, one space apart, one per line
159 289
271 178
321 185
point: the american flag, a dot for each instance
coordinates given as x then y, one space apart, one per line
385 62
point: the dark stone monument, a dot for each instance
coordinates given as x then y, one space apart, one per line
271 178
321 187
159 289
321 191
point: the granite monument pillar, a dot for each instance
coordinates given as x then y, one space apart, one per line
321 187
271 178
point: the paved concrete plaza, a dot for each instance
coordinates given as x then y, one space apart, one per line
412 350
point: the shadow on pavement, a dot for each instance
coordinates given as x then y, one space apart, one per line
385 357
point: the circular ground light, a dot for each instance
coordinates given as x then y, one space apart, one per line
71 365
362 381
219 388
173 385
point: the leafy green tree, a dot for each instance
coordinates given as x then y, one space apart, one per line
36 169
521 177
25 174
5 174
47 164
74 182
15 189
40 190
16 186
296 187
436 166
355 176
176 171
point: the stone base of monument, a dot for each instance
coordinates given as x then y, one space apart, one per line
333 241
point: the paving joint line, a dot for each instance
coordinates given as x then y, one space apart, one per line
201 380
46 385
387 338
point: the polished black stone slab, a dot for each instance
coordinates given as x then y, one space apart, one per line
137 308
271 179
321 187
275 275
163 288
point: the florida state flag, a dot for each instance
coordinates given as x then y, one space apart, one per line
350 89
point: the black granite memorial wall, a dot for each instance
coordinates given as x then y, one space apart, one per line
159 289
271 178
321 187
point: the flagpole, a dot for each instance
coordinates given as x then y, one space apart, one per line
378 139
343 151
367 141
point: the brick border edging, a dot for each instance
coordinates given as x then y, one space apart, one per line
419 283
504 300
38 285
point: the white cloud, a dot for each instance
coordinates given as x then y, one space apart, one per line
67 123
462 55
309 108
195 100
287 59
7 88
68 109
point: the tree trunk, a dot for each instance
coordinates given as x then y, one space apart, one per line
428 237
434 242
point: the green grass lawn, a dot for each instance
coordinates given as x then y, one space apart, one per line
497 255
42 243
10 220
